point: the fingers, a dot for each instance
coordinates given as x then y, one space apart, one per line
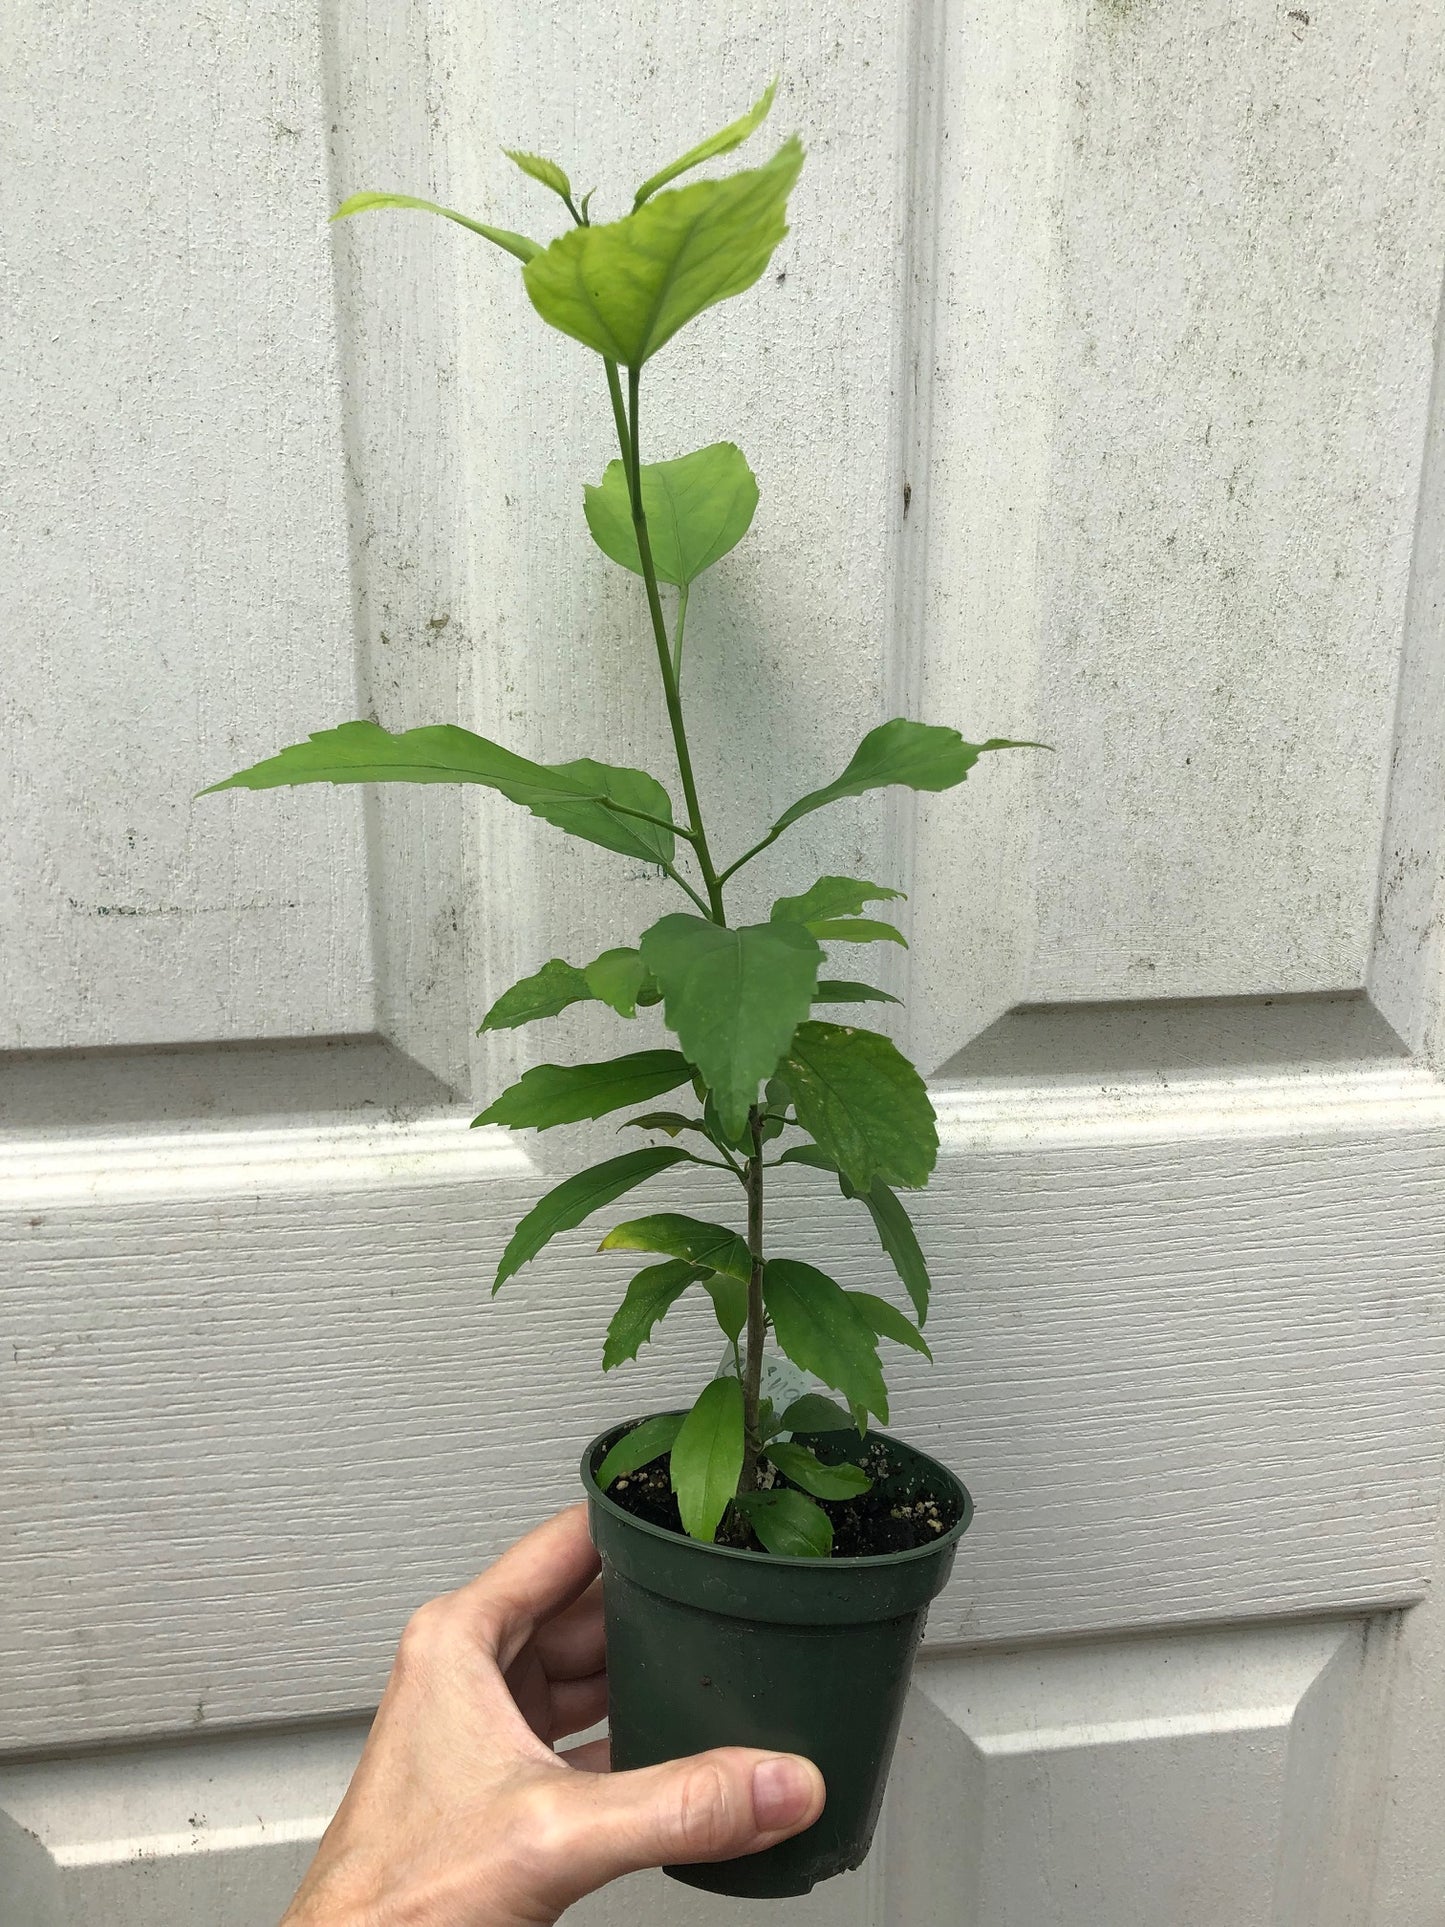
577 1704
533 1581
595 1827
573 1644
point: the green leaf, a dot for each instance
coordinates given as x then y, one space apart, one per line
814 1413
640 1447
545 171
575 796
889 1322
920 756
625 288
729 1302
615 978
806 1469
831 897
788 1525
890 1220
842 990
707 1457
517 244
733 998
565 1206
651 1294
822 1330
697 507
670 1121
546 992
673 1235
856 930
550 1094
858 1096
733 135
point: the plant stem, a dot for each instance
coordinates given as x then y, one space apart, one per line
677 629
757 1324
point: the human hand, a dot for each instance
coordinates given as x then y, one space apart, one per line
461 1815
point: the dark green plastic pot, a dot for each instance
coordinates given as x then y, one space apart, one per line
708 1646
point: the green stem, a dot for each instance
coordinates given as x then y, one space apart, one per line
682 883
748 855
677 629
757 1322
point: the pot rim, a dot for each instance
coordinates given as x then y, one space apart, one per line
777 1562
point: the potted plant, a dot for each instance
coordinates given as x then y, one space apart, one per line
768 1560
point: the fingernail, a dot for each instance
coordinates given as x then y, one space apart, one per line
782 1793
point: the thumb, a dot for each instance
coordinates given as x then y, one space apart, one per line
712 1806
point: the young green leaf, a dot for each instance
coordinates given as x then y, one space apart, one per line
919 756
856 930
863 1102
729 1302
788 1525
551 1094
673 1235
566 1205
733 135
615 978
651 1294
890 1220
639 1447
625 288
806 1469
697 507
546 992
842 990
814 1413
822 1330
547 172
889 1322
516 244
831 897
585 798
707 1458
733 998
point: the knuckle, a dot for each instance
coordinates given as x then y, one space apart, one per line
423 1638
706 1812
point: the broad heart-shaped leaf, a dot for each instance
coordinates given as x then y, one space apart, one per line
546 992
831 897
806 1469
625 288
550 1094
814 1413
733 135
729 1302
858 1097
697 508
920 756
639 1447
517 244
820 1328
842 990
674 1235
788 1525
890 1220
707 1457
615 978
574 795
733 998
650 1295
855 930
889 1322
540 169
566 1205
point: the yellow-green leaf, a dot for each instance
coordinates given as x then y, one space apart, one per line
733 135
674 1235
697 507
516 244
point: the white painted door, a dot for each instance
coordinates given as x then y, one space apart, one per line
1090 399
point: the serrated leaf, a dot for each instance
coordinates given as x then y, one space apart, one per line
516 244
889 1322
856 930
626 287
674 1235
566 1205
890 1220
733 135
919 756
806 1469
729 1302
639 1447
707 1458
575 796
820 1329
831 897
651 1294
551 1094
548 173
863 1103
697 507
842 990
552 989
733 997
615 978
814 1413
788 1525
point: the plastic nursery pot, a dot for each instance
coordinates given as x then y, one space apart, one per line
709 1646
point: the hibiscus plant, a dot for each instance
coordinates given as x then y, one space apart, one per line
757 1065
